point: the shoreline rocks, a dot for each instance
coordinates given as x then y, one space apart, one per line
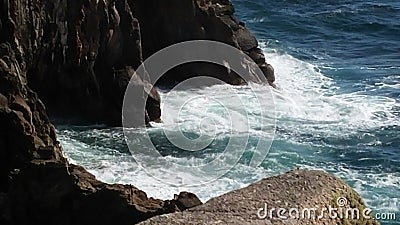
37 183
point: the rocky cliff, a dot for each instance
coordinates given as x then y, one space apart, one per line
80 54
37 184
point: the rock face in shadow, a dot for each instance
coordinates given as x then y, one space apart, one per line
164 23
37 184
79 53
298 189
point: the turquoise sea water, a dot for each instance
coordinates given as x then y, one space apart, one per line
337 107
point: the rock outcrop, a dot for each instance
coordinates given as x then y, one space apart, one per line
298 189
79 54
37 184
176 21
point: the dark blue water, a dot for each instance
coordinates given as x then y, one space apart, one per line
337 107
357 45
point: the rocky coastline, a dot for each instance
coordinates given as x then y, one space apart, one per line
77 56
80 55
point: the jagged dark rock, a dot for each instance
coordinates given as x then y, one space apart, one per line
39 186
79 54
177 21
186 200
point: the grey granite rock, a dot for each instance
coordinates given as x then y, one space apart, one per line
297 189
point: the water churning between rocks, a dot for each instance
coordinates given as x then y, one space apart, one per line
337 107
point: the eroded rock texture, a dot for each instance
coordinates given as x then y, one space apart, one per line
83 53
38 185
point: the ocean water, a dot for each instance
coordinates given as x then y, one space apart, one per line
337 108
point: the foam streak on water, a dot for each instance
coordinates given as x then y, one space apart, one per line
319 126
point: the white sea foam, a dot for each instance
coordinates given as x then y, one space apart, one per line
307 102
306 95
257 20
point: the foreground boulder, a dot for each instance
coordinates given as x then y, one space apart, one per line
298 189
